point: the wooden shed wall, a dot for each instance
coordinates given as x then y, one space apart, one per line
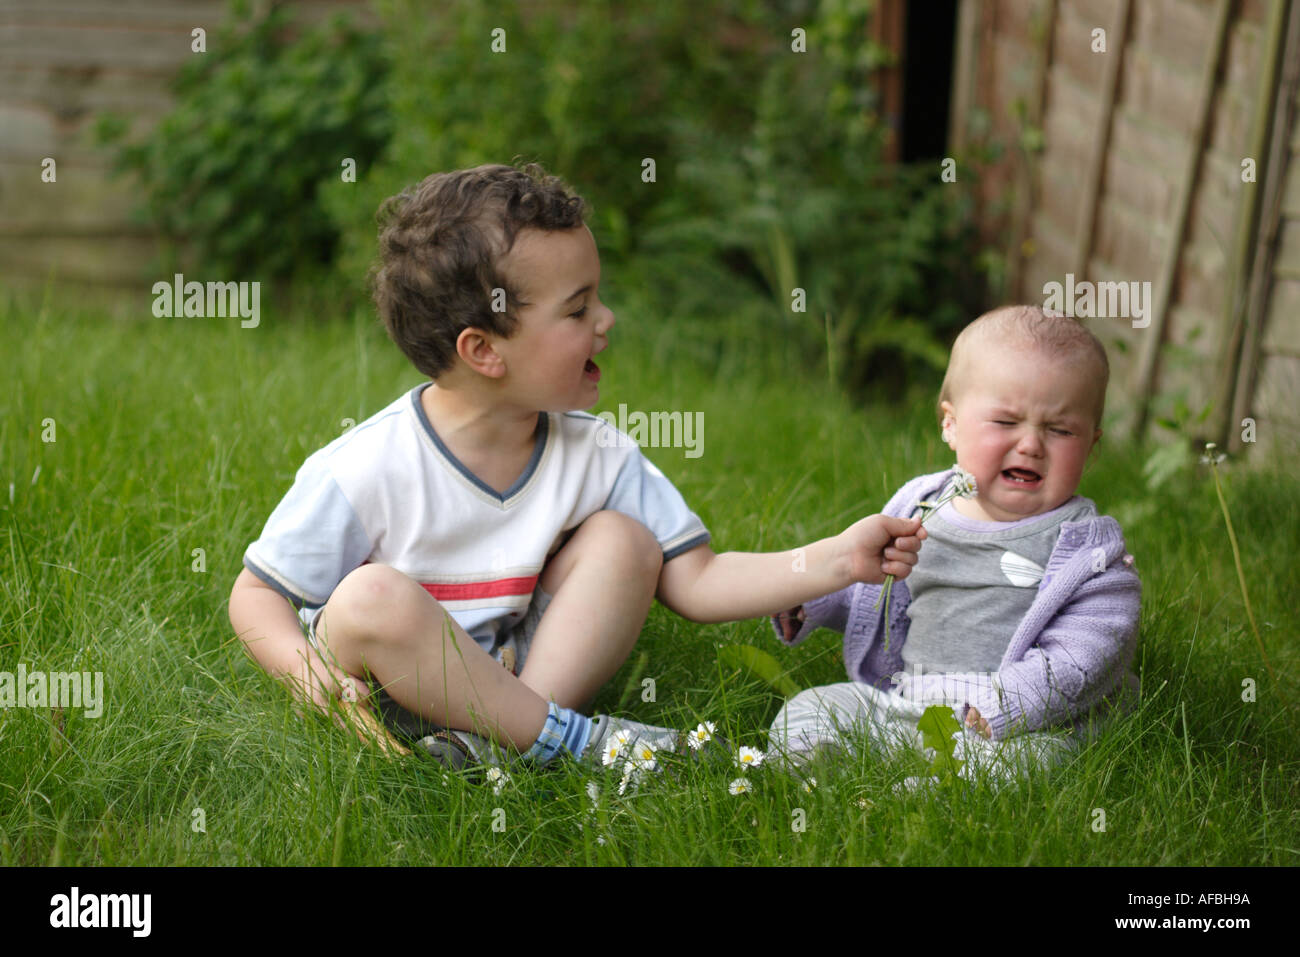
1033 68
1277 392
62 62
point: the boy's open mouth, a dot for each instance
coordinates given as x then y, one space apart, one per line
1023 477
591 371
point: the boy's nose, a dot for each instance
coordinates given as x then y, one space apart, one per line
607 321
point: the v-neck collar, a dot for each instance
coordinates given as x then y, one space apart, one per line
539 445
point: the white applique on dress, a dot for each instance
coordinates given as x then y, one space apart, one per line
1020 570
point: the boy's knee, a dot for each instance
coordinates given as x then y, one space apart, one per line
370 597
624 540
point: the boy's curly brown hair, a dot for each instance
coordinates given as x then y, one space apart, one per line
441 245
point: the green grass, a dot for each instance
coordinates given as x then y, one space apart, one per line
176 435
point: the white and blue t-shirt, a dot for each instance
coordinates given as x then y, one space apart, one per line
390 491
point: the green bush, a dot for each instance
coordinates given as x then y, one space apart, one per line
589 90
806 201
263 120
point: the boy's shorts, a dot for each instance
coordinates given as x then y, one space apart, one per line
511 652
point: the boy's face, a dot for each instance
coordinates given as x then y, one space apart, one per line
1022 424
562 324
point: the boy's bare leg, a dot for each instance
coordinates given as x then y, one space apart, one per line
602 582
379 621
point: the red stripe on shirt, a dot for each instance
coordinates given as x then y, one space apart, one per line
469 591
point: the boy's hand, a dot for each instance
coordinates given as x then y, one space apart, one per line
881 545
370 728
335 691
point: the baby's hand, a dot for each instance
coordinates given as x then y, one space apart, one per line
881 545
791 621
977 722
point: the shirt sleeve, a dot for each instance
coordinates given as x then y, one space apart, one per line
644 493
312 539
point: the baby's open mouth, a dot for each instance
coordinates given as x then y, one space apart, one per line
1021 476
592 371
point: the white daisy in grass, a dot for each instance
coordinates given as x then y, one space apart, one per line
748 757
700 736
642 756
631 775
809 785
593 792
740 786
616 746
498 779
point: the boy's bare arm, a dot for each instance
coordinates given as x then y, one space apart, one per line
704 586
272 633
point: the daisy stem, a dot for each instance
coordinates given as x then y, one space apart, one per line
927 509
884 593
889 579
1241 575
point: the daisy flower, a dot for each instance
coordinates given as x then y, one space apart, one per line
631 775
618 743
963 483
749 757
810 784
498 778
593 792
740 786
643 756
700 736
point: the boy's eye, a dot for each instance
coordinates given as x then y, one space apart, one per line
1062 431
1002 422
579 314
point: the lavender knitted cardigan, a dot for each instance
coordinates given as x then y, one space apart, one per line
1073 647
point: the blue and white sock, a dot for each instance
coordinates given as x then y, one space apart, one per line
564 730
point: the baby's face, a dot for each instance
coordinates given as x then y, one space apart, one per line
1022 423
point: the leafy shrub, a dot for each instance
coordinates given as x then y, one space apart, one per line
588 89
262 120
882 252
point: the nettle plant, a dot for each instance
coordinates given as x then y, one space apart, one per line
264 120
869 263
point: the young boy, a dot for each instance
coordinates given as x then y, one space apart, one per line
479 522
1022 611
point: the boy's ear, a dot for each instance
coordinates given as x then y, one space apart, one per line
477 351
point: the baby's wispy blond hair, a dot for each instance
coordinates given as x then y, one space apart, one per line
1030 327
